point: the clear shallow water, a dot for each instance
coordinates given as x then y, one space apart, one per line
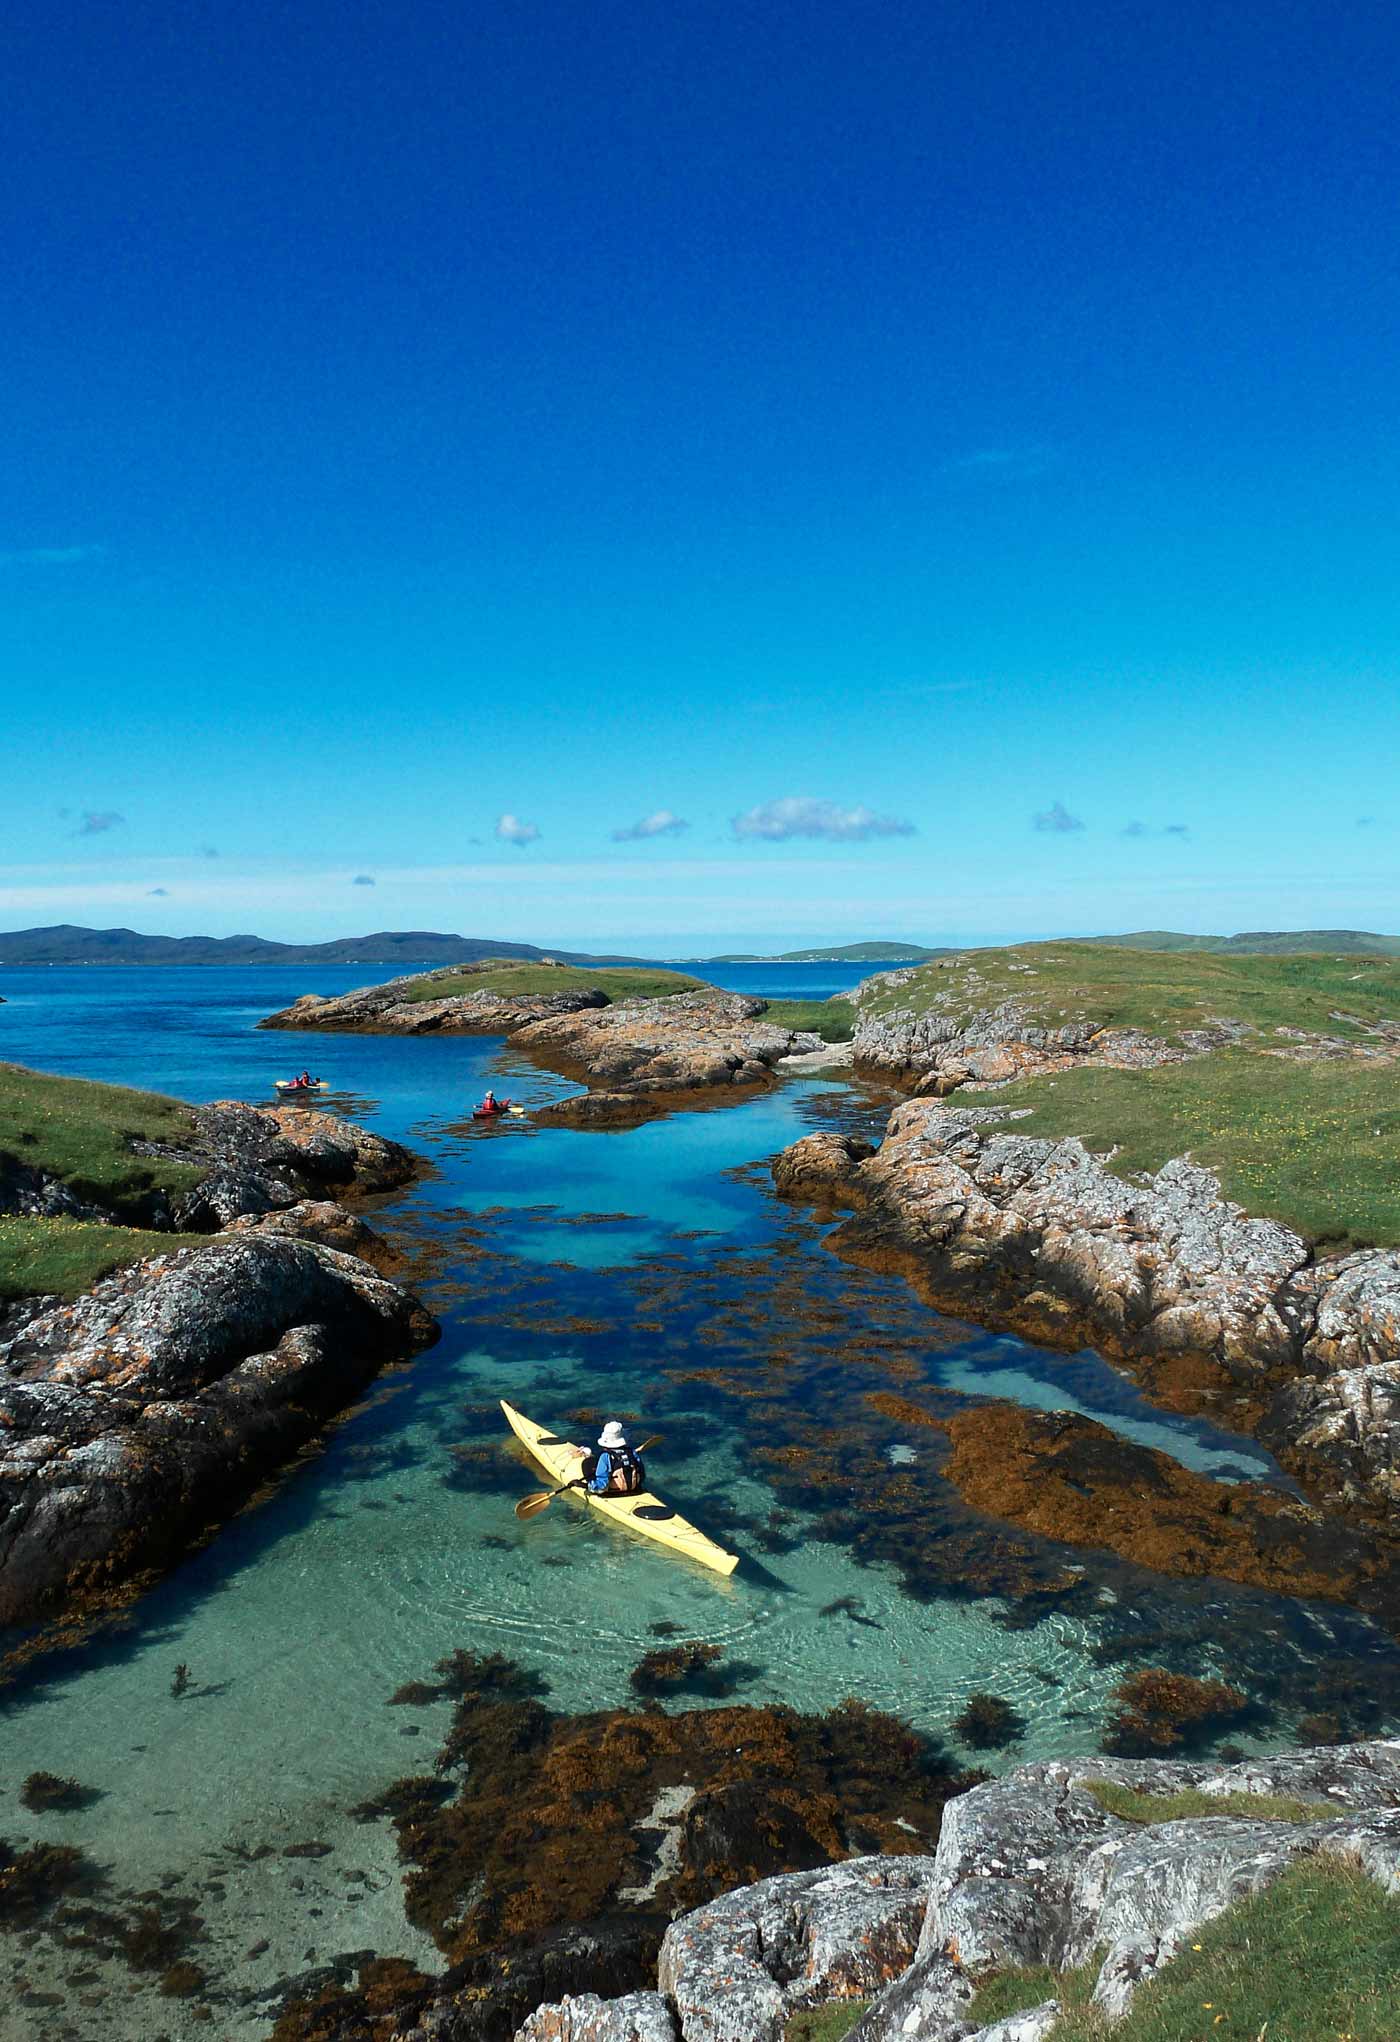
650 1272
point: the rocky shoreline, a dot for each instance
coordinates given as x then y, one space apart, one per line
1212 1311
137 1416
1035 1869
637 1057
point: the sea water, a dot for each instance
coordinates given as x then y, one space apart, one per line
648 1271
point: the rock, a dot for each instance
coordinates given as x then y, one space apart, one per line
1037 2024
1040 1238
650 1053
330 1225
266 1158
736 1968
583 2017
1032 1869
146 1410
990 1045
822 1167
388 1010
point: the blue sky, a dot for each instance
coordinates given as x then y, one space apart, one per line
935 468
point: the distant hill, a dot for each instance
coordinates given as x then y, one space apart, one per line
1260 942
842 953
406 948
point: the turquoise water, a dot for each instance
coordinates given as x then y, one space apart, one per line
650 1272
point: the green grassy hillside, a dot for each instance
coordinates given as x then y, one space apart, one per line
1261 942
1315 1145
1160 991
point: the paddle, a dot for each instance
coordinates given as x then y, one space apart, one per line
531 1506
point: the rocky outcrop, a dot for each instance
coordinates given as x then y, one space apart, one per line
583 2017
390 1009
736 1969
968 1029
329 1225
1031 1869
145 1411
823 1167
1165 1275
640 1056
940 1046
252 1159
264 1159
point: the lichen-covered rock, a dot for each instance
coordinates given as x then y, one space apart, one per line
328 1224
583 2017
1032 1869
1036 2024
390 1009
265 1158
144 1411
822 1167
657 1050
1041 1238
736 1968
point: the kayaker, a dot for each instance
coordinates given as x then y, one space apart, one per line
490 1104
616 1470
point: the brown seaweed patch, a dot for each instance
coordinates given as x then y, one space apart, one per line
518 1876
691 1668
32 1880
1163 1710
42 1791
988 1723
1068 1477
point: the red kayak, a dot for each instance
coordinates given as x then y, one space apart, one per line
492 1112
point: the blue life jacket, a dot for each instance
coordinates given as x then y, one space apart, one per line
625 1474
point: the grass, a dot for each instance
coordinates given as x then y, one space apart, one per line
824 2024
81 1134
1315 1957
63 1258
617 982
1132 1806
1310 1144
833 1020
1162 992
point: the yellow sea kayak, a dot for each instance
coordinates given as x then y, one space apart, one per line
646 1513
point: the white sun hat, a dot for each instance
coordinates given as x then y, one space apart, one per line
612 1434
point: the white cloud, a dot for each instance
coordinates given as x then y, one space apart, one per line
50 556
511 830
662 824
1059 822
802 816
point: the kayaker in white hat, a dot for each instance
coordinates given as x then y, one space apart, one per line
617 1471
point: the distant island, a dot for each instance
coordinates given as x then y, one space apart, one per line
834 953
67 944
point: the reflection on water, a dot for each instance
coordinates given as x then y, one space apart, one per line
578 1274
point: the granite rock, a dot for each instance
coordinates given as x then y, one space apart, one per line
583 2017
146 1410
389 1009
1040 1238
735 1969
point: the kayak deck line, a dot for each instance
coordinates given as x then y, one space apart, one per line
645 1513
